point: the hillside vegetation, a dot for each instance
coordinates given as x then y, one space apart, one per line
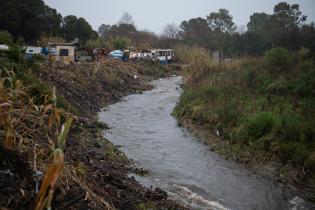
263 108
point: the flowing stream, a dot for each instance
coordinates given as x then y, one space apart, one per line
180 164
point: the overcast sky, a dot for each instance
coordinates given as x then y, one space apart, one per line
153 15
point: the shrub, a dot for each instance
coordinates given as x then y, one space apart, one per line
304 84
298 153
121 43
278 87
279 60
260 124
310 162
290 127
228 113
210 92
5 38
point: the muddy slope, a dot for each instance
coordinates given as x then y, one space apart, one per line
96 173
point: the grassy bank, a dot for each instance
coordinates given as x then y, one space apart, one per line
262 108
51 146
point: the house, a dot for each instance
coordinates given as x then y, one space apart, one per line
62 52
32 50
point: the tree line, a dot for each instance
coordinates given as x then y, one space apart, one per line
31 20
285 27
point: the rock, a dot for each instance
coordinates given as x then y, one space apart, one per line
162 194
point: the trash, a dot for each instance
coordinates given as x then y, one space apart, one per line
117 54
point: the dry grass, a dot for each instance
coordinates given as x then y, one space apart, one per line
199 63
40 131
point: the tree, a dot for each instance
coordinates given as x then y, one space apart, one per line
73 27
195 31
258 22
308 36
103 31
221 21
287 15
285 25
29 19
126 18
5 38
53 20
121 43
145 39
171 31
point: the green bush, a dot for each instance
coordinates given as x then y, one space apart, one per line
121 43
228 112
5 38
298 153
304 83
310 162
279 60
210 92
278 87
260 124
290 127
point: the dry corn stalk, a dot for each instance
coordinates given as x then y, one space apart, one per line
54 171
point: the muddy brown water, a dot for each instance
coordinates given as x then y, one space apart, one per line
180 164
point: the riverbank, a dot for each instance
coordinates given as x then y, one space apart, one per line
96 172
257 111
260 162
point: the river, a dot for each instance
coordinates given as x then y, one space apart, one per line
180 164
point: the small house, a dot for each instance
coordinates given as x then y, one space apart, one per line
62 52
32 50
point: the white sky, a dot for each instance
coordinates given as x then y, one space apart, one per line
153 15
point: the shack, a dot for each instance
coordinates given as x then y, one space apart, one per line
62 52
33 50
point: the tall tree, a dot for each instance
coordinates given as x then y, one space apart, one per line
103 31
195 31
29 19
259 22
73 27
126 18
287 15
286 21
171 31
221 20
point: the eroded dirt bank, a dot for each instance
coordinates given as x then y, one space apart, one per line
96 173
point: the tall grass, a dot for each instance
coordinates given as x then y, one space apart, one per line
198 62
